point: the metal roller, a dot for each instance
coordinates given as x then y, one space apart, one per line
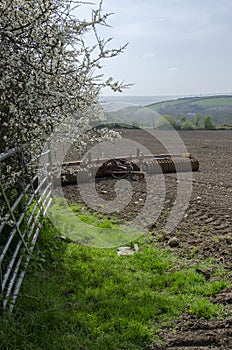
121 167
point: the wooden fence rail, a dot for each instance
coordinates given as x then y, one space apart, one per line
24 201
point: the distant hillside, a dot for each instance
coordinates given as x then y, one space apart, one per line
218 107
188 112
134 115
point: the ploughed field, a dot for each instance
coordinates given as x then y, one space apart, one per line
205 227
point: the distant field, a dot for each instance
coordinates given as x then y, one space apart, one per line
180 101
219 108
214 102
207 102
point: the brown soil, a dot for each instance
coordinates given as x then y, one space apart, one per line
205 230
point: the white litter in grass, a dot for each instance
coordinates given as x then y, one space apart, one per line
127 250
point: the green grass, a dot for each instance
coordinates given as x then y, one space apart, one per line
156 106
77 297
214 102
80 225
218 101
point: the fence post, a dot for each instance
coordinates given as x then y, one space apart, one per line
1 291
50 168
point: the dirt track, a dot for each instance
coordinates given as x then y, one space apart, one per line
204 231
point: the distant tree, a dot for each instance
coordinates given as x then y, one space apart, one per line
134 123
197 120
166 121
207 123
183 119
226 126
188 125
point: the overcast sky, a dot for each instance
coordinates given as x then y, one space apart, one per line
176 47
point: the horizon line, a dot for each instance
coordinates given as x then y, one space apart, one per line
190 94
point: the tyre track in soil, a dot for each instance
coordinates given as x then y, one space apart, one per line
197 334
205 230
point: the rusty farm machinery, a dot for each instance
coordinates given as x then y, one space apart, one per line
132 167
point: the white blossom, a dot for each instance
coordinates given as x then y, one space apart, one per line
49 76
48 71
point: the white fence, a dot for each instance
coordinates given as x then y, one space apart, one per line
24 202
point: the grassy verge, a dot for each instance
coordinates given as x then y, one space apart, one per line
77 297
78 224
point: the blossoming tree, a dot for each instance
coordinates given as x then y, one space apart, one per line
48 71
